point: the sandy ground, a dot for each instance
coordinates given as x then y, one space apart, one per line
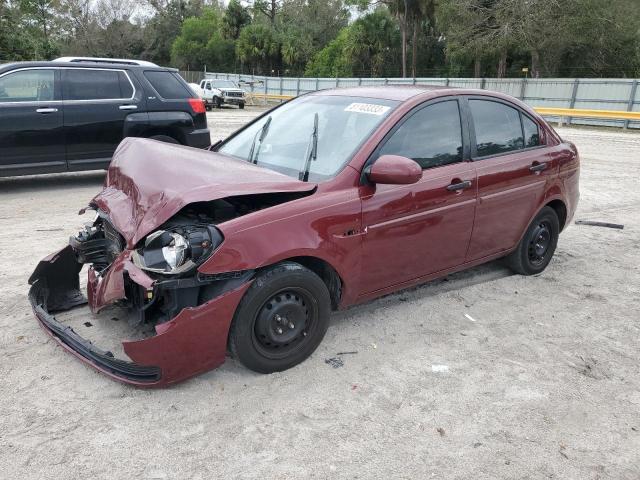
544 383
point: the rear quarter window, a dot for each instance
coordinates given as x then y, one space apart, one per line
531 132
167 85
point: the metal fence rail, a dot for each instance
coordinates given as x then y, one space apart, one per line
576 93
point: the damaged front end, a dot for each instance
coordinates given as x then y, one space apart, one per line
159 284
156 225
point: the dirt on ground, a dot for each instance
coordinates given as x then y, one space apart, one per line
480 375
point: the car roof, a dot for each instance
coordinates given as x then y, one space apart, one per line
404 93
116 66
384 92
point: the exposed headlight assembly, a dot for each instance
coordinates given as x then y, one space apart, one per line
178 250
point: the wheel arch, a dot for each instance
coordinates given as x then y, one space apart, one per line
324 270
561 210
165 132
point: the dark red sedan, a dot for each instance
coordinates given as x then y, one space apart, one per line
332 199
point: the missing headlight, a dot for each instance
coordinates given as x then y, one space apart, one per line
178 250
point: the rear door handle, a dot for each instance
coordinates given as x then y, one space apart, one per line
537 167
47 110
459 186
128 107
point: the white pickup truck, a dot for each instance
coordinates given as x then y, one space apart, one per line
216 93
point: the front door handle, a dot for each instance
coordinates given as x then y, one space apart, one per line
459 186
128 107
47 110
537 167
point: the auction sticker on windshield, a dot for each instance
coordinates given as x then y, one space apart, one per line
370 108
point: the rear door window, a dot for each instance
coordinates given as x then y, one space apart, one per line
167 85
497 127
432 136
93 84
31 85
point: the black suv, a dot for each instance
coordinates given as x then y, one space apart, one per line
71 113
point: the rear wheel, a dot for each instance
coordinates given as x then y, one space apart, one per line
281 319
535 250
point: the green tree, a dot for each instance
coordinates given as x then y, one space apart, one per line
367 47
201 44
40 20
15 43
164 26
331 60
258 47
234 19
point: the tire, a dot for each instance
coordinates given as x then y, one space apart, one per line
535 250
165 138
241 105
281 319
207 107
217 102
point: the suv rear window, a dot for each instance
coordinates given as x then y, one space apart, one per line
167 85
92 84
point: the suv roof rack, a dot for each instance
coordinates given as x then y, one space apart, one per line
111 61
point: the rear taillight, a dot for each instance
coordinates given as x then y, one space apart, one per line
197 105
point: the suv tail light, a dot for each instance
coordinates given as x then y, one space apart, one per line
197 105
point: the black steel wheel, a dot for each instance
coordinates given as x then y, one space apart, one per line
281 319
539 242
285 322
535 250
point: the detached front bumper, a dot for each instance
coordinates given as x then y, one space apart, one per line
192 342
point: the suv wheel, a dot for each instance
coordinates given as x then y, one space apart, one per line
241 105
217 102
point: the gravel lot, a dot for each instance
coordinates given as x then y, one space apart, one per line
544 383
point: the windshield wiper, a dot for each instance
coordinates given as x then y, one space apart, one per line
262 133
313 151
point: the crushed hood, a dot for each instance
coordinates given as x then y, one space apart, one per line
149 181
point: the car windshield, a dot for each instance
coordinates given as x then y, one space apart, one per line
318 132
223 84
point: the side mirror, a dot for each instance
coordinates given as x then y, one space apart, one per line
394 170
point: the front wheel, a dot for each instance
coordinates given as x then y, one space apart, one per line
217 102
241 105
281 319
535 250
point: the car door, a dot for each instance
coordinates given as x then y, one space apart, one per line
512 174
31 139
96 103
416 230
